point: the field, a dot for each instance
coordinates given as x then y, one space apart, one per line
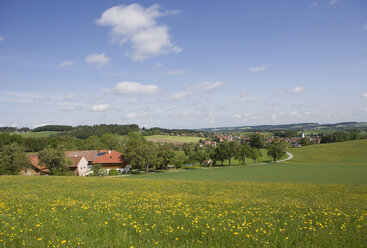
173 139
317 199
39 134
344 163
115 212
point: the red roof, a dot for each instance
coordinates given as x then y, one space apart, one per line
112 157
34 161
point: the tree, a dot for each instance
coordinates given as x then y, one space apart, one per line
277 150
166 154
54 159
229 149
244 150
200 155
219 155
306 141
140 153
257 141
179 160
255 153
189 150
12 159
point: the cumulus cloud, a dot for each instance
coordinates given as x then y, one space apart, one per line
294 113
97 58
364 95
297 89
67 63
127 87
138 25
176 72
100 107
258 69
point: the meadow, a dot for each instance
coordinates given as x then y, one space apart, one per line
115 212
39 134
173 139
317 199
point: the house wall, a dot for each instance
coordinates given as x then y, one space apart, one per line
83 167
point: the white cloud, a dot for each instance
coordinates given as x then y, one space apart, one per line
71 97
205 86
67 63
298 89
179 95
258 69
1 38
126 87
176 72
364 94
133 115
100 107
97 58
138 25
191 89
158 64
365 109
134 100
332 2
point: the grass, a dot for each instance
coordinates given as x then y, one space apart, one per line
39 134
344 163
110 212
318 199
173 139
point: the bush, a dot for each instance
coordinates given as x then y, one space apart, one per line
113 172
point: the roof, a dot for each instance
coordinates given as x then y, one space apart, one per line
112 157
35 162
89 155
75 161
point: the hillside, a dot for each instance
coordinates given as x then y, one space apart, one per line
341 163
298 126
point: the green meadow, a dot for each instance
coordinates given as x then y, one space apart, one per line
317 199
173 139
344 163
39 134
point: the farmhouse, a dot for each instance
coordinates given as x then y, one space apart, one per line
111 160
82 162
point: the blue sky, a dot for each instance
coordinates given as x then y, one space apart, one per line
182 64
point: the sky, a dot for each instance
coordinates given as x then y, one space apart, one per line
182 64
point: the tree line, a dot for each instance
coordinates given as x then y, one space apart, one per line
138 152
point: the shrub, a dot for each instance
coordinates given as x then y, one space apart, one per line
113 172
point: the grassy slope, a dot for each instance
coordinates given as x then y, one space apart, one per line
316 164
173 139
39 134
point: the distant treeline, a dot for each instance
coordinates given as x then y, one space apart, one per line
84 132
340 136
36 144
53 128
13 129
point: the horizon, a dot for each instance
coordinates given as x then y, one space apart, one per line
168 64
